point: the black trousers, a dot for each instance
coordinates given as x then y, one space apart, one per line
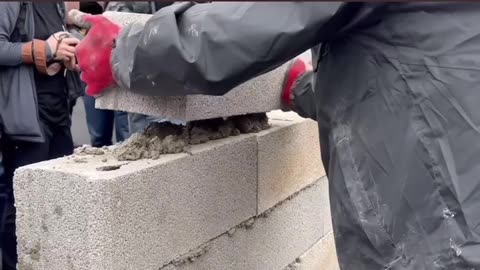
14 154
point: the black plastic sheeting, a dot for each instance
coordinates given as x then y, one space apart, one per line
396 94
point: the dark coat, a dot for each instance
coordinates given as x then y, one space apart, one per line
396 96
18 97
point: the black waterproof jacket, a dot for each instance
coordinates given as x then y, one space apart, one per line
396 96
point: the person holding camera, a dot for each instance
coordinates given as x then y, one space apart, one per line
35 52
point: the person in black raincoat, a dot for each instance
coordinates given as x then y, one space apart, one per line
395 92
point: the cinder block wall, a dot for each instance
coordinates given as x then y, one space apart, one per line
249 202
254 201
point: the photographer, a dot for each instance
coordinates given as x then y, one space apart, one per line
35 122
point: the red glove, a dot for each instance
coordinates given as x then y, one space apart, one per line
296 69
93 54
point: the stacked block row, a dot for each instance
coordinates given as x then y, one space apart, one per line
254 201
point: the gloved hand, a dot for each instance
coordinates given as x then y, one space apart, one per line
93 54
297 68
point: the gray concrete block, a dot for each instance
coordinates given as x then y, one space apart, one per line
321 256
288 158
125 18
272 242
261 94
139 216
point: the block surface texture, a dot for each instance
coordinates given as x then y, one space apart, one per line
239 198
288 158
261 94
321 256
144 214
272 242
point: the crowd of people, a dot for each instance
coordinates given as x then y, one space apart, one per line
37 103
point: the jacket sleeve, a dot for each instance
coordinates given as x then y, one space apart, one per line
211 48
10 53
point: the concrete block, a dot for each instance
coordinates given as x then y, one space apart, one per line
139 215
261 94
288 158
321 256
284 116
271 242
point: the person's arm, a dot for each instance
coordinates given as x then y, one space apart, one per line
14 53
35 52
211 48
10 52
